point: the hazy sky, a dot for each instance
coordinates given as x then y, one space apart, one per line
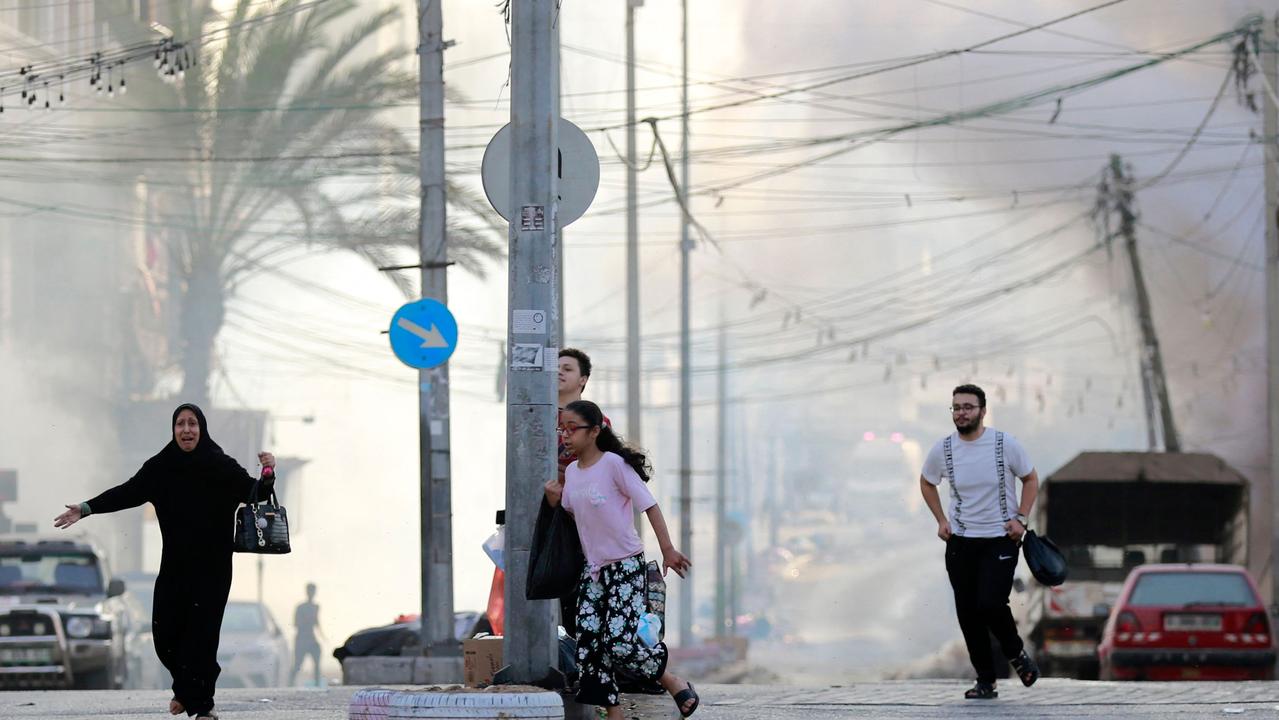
812 238
912 228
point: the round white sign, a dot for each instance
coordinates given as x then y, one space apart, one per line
578 169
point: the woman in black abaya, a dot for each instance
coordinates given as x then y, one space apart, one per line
195 488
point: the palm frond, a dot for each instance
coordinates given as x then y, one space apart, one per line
293 87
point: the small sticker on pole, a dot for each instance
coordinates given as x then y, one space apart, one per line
527 356
528 322
533 217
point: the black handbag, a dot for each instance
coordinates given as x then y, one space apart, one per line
555 556
262 527
1043 558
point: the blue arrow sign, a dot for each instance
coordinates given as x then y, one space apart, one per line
423 333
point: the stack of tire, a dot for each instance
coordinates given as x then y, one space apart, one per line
383 704
370 704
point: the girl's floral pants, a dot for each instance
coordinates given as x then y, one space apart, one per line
607 623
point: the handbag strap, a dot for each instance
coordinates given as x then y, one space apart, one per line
270 498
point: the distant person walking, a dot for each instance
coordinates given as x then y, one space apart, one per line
602 489
195 488
306 618
983 531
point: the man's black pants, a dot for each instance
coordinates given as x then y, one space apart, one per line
981 574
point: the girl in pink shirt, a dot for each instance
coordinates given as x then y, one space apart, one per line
602 489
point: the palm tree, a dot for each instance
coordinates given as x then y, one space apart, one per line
285 115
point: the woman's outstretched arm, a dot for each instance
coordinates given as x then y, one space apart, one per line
129 494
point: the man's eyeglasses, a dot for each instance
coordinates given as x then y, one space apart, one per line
964 408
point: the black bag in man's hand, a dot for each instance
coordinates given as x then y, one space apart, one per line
555 557
1043 558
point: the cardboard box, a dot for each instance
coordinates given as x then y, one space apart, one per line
481 658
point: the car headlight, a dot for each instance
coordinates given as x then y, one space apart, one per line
83 626
79 627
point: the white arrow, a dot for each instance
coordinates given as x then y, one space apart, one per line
430 338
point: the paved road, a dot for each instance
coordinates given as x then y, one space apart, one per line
927 699
1050 698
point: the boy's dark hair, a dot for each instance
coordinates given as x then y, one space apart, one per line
583 360
970 389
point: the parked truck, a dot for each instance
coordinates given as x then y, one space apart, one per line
1112 511
63 624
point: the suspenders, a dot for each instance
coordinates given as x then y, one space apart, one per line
948 451
999 473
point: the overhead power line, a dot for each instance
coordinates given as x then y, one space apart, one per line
861 139
931 57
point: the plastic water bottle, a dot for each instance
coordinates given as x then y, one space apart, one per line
495 546
650 629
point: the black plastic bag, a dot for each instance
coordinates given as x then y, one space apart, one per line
555 557
1043 558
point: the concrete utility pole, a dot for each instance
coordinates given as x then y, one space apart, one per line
559 230
1119 196
1263 497
772 480
530 649
438 638
721 490
741 505
685 362
747 461
633 409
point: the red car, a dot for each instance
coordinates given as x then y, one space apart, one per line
1188 622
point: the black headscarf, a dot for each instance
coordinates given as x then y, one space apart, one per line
173 457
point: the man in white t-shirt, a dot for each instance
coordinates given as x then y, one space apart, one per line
982 532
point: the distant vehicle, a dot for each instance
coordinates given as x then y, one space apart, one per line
252 651
465 622
1188 622
62 624
1110 512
